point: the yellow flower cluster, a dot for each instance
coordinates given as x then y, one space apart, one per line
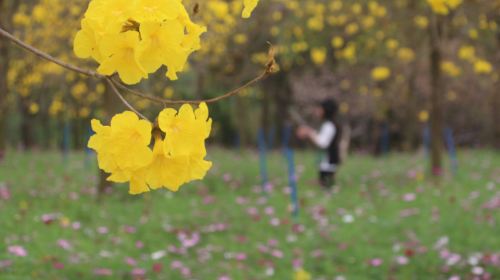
136 37
406 54
443 7
381 73
421 21
450 68
482 66
318 55
423 116
123 148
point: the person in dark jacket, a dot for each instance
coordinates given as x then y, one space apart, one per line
327 138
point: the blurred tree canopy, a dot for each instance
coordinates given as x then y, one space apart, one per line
374 57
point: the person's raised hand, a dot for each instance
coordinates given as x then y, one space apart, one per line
303 132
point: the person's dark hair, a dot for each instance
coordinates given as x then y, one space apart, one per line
330 109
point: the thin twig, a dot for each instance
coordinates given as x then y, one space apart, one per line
117 92
210 100
48 56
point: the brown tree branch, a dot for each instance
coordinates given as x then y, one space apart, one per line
117 92
48 56
210 100
271 67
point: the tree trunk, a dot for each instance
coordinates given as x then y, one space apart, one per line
412 125
242 121
282 101
437 100
4 66
27 125
495 98
7 10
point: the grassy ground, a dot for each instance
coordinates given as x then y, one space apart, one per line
385 220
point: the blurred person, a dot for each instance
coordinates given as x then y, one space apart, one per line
327 138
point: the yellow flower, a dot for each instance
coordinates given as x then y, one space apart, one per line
158 10
301 274
316 23
406 54
85 44
318 55
423 116
473 34
337 42
138 183
168 92
482 66
135 38
240 38
368 22
349 53
357 9
443 7
160 45
438 6
186 130
33 108
250 5
165 171
277 15
377 9
55 107
381 73
120 55
392 44
219 8
421 21
450 69
299 47
184 144
467 53
123 147
79 90
453 4
352 28
84 112
335 5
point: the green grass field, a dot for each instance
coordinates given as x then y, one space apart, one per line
385 220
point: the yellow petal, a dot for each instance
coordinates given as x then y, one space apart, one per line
250 5
138 183
166 118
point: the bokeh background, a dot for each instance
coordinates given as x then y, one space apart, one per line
418 195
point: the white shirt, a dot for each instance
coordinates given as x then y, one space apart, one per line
323 139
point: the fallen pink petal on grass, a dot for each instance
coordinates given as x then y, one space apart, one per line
17 251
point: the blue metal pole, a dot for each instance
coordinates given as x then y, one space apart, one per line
88 151
385 141
292 178
450 142
271 137
237 140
